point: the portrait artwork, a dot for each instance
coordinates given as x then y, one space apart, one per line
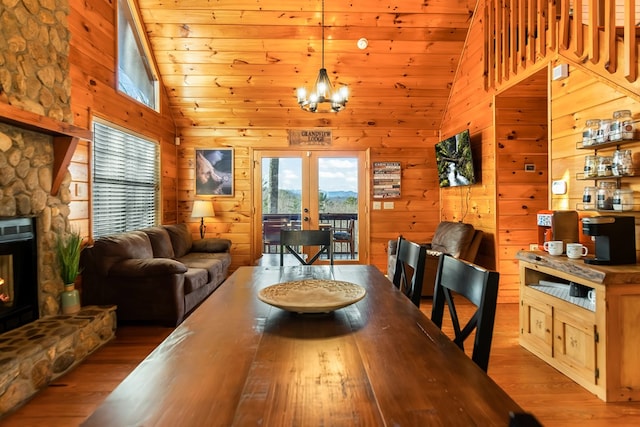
214 172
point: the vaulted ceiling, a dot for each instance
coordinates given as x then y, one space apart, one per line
242 60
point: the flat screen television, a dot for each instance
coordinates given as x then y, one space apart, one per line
454 160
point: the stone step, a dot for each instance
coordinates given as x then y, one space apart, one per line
34 355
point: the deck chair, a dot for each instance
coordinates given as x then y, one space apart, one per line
290 240
480 287
345 235
409 271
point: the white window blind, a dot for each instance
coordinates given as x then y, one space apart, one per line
125 181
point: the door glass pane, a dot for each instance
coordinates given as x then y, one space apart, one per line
338 203
281 198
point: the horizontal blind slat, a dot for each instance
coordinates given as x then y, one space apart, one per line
125 181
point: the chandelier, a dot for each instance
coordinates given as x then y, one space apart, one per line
322 91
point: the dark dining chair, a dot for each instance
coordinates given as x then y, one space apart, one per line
291 240
479 286
409 272
345 235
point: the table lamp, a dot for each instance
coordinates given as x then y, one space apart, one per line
202 208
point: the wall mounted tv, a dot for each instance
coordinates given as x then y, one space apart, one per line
454 160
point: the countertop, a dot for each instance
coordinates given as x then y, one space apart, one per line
604 274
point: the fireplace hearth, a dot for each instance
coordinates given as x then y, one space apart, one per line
18 273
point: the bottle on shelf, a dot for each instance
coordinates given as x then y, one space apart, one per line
589 198
590 132
604 199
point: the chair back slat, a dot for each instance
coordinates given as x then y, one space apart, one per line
409 272
480 287
291 239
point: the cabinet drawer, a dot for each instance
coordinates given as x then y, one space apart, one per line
575 344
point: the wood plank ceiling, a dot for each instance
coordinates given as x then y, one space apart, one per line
238 62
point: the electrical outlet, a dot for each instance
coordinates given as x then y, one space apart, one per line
389 205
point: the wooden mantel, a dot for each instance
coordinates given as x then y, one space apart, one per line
65 136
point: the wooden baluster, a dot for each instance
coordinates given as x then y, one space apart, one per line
594 45
542 29
513 31
531 28
489 46
552 24
577 27
630 53
522 32
504 35
564 24
498 39
610 52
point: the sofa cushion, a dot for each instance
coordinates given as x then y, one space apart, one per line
111 249
160 242
211 245
181 239
195 278
147 267
452 237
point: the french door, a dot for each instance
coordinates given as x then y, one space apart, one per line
310 190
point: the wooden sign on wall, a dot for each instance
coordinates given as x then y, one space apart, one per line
386 180
310 136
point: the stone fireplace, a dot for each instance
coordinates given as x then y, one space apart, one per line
18 278
34 79
25 192
37 141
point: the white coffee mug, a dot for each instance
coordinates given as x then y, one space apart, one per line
576 250
554 247
591 295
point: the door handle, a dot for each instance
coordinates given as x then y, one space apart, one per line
306 219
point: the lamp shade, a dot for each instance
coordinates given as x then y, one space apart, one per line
202 208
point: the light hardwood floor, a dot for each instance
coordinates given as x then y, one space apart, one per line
550 396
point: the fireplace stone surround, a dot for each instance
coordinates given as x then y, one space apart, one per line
37 141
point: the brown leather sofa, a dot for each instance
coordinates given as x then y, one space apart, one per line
458 239
158 274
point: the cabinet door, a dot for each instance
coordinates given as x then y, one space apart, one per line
536 326
574 345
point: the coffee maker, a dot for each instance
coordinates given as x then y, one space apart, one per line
557 225
615 239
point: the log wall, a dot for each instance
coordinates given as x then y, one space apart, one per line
415 214
92 58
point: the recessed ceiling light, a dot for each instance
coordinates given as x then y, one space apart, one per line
363 43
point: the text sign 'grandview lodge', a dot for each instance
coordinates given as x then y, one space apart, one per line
310 137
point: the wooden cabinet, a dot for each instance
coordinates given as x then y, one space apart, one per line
594 343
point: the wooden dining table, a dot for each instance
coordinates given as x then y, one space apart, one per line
237 361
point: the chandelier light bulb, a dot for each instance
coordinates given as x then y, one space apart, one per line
324 92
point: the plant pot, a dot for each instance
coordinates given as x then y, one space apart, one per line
70 299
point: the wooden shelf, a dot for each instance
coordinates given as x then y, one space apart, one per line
65 136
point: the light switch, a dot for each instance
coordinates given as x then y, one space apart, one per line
388 205
377 206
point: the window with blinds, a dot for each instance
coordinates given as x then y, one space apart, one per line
125 181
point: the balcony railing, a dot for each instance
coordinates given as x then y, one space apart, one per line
522 33
273 223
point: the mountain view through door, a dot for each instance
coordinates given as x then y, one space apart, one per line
310 191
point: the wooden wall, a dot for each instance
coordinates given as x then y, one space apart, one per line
521 140
471 106
415 214
92 58
582 96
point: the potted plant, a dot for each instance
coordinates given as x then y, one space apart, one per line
68 249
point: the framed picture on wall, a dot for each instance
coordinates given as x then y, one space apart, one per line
214 172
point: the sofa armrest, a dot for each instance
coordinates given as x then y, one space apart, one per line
211 244
147 267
